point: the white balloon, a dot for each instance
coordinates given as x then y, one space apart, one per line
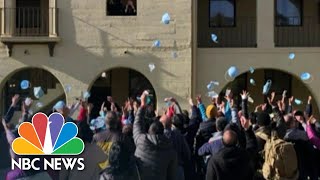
152 67
39 104
104 75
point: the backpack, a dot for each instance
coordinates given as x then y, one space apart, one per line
106 147
121 164
280 160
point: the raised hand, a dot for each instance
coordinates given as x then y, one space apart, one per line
102 106
215 100
280 106
258 107
123 111
109 98
270 99
264 106
129 105
228 96
89 108
244 95
311 120
4 124
245 123
273 94
113 107
191 102
309 99
284 95
15 99
291 100
25 107
199 101
231 103
144 98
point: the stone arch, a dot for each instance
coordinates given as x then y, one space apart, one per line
37 76
282 80
120 83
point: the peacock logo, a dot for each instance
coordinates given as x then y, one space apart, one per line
48 136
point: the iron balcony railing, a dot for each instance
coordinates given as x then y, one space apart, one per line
243 34
305 35
29 21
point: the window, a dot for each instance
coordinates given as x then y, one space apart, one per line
32 17
121 7
222 13
288 12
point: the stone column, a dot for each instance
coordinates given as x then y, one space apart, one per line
53 18
8 18
265 23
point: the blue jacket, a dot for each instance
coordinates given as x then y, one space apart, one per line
211 148
202 109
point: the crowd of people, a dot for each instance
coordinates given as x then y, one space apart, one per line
222 141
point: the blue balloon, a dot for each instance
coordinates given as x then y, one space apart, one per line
266 87
292 56
214 38
156 43
174 54
68 88
211 85
86 95
298 101
165 18
59 105
98 123
25 84
233 71
251 69
305 76
38 92
168 103
213 94
148 99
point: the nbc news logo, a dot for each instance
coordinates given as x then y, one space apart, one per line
48 136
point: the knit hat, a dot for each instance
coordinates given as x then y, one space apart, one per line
211 111
263 119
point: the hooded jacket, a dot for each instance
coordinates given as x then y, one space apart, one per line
180 145
157 159
206 129
228 164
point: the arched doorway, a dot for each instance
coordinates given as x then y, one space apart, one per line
120 84
281 81
52 88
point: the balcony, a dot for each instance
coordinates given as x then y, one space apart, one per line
29 25
306 35
243 34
